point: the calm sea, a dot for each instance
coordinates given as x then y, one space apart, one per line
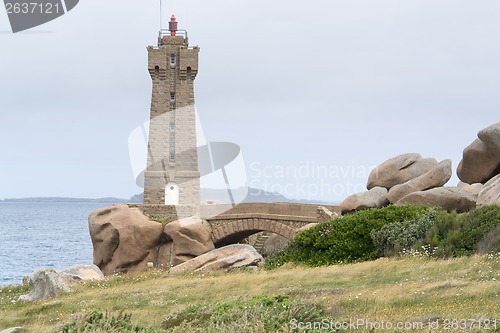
37 235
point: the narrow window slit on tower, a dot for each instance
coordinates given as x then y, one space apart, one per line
189 72
172 59
172 97
157 72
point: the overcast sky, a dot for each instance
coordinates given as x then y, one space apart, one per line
301 86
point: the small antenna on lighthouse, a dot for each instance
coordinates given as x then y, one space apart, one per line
161 18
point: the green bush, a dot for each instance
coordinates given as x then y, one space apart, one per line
490 242
369 234
395 237
464 234
342 240
480 222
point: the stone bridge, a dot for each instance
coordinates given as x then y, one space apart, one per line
283 219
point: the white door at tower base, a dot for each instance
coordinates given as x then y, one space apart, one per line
172 194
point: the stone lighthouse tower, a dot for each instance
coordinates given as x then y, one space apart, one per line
172 176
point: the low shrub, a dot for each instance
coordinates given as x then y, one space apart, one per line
490 243
97 321
464 234
372 233
346 239
395 237
480 222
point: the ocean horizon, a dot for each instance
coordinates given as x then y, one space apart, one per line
36 235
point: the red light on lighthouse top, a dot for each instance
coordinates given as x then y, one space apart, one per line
172 26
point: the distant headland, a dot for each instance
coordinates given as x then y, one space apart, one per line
253 195
62 199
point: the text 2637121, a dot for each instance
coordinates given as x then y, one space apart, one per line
32 8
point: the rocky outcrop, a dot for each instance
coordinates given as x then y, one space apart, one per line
275 242
448 198
490 135
224 258
307 227
124 239
14 330
490 194
83 273
191 237
326 214
481 159
399 170
374 198
436 177
47 283
472 189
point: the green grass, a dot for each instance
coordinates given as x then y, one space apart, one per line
160 219
409 289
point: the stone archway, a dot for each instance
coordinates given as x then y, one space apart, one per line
233 231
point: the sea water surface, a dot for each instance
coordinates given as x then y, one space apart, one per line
43 235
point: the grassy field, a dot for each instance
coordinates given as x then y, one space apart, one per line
413 291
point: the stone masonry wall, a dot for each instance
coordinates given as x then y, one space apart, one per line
172 153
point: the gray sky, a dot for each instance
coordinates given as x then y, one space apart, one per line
316 93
